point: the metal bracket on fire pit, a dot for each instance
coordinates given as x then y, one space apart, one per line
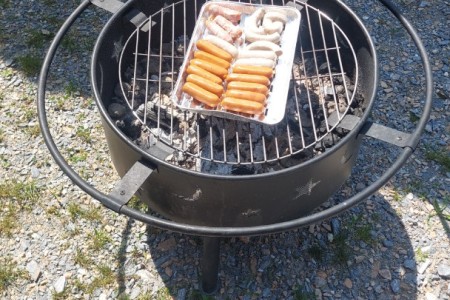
377 131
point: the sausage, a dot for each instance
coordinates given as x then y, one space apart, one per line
255 70
231 49
248 86
246 95
211 48
228 26
271 26
251 36
248 78
269 54
256 61
242 105
231 14
210 67
253 22
218 31
203 73
211 58
206 84
201 94
276 16
265 45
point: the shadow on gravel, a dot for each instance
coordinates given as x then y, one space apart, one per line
365 252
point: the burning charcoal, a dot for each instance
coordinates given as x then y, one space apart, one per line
117 110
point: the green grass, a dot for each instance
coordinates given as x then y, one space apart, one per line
37 39
84 134
8 273
2 135
30 64
136 203
440 156
82 259
362 233
76 211
104 279
7 73
420 256
33 131
78 156
341 251
99 239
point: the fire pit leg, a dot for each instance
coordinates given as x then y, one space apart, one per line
209 265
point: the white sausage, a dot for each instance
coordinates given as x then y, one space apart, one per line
276 16
265 45
222 44
271 26
255 61
254 20
269 54
250 36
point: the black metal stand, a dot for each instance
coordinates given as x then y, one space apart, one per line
209 265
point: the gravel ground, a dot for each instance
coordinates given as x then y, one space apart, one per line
58 243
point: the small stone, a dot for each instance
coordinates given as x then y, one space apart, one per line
102 297
444 271
167 244
35 172
60 285
430 296
423 266
135 292
388 243
409 264
34 270
181 294
144 275
395 286
360 186
385 273
348 283
8 62
335 226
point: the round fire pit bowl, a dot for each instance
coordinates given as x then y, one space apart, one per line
215 178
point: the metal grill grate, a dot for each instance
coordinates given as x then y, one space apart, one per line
321 91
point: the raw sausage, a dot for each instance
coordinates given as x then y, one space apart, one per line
246 95
251 36
256 61
201 94
231 14
210 67
269 54
228 26
253 22
211 48
248 78
265 45
248 86
231 49
241 105
203 73
206 84
264 71
276 16
218 31
211 58
271 27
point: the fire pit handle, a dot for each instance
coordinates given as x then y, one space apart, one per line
116 204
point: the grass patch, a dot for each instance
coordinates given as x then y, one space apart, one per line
8 273
2 135
316 252
104 279
78 156
136 203
362 233
341 253
300 293
6 73
30 64
420 255
38 39
440 156
84 134
4 3
82 259
100 239
33 131
76 211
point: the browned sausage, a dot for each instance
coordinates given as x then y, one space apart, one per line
241 105
255 70
209 47
206 84
210 67
211 58
246 95
201 94
203 73
248 78
248 86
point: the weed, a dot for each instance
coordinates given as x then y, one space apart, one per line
30 64
4 162
99 239
106 277
70 89
8 220
300 293
316 252
136 203
82 259
363 233
84 134
38 39
62 295
4 3
6 73
25 193
8 273
33 130
164 294
397 197
420 256
76 211
2 135
440 210
78 156
440 156
341 249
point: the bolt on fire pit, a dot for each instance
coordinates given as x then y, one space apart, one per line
217 178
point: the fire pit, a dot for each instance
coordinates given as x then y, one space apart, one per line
216 177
